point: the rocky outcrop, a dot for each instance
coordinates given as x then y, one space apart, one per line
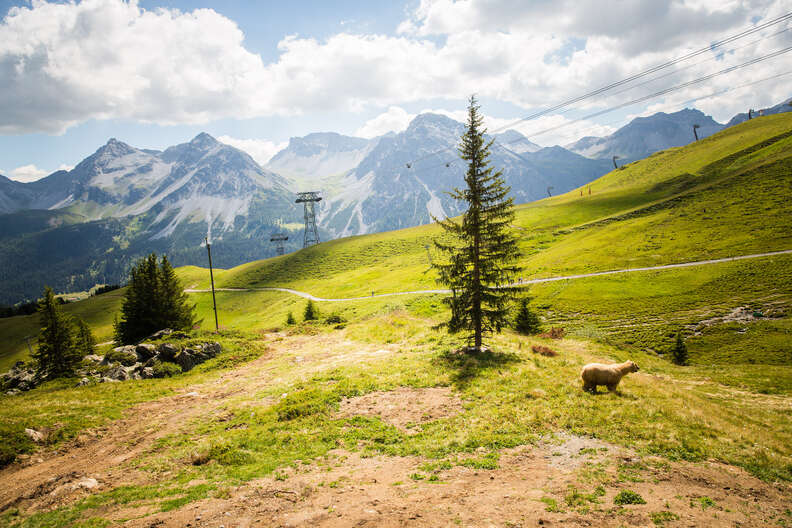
130 362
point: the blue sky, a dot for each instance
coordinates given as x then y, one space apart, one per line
156 73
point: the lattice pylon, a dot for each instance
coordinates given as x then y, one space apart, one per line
308 199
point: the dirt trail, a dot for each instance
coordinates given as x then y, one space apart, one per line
513 285
531 486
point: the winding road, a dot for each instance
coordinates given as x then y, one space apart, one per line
513 285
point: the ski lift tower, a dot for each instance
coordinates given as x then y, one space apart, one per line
308 199
279 238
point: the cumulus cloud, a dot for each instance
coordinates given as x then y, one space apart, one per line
395 119
30 173
65 63
261 150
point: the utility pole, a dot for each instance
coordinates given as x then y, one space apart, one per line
548 191
27 341
749 113
614 162
211 278
695 134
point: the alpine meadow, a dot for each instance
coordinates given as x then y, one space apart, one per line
534 280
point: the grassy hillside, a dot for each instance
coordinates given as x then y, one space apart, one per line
723 196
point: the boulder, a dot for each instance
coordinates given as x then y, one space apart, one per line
146 373
145 351
167 351
125 355
206 351
94 358
117 373
105 379
83 382
187 359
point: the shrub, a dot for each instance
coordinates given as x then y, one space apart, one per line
166 369
334 319
628 497
544 351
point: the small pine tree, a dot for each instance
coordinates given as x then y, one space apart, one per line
679 354
481 250
154 300
311 313
527 322
57 354
290 319
84 340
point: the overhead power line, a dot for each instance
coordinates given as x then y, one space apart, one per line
603 89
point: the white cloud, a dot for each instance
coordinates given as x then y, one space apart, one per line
62 64
395 119
261 150
27 173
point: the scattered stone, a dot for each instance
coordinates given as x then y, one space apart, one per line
83 382
124 354
159 335
86 483
94 358
117 372
38 437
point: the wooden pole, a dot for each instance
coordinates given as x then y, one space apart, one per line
211 277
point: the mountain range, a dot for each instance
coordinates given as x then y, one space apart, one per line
86 226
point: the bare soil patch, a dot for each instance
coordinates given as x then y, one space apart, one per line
526 490
405 407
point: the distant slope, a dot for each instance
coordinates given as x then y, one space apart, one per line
645 135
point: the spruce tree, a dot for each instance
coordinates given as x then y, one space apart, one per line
84 340
527 322
290 319
154 300
56 354
679 353
311 313
481 249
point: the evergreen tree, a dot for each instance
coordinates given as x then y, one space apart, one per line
56 354
84 340
154 300
481 250
311 313
679 354
290 319
527 322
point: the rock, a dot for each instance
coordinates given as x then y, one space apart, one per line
118 373
94 358
207 351
159 335
167 351
146 373
37 436
179 335
105 379
12 392
187 359
145 351
19 378
86 483
125 355
83 382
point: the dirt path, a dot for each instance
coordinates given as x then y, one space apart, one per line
563 480
513 285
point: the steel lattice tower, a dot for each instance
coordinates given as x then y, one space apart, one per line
308 199
279 238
